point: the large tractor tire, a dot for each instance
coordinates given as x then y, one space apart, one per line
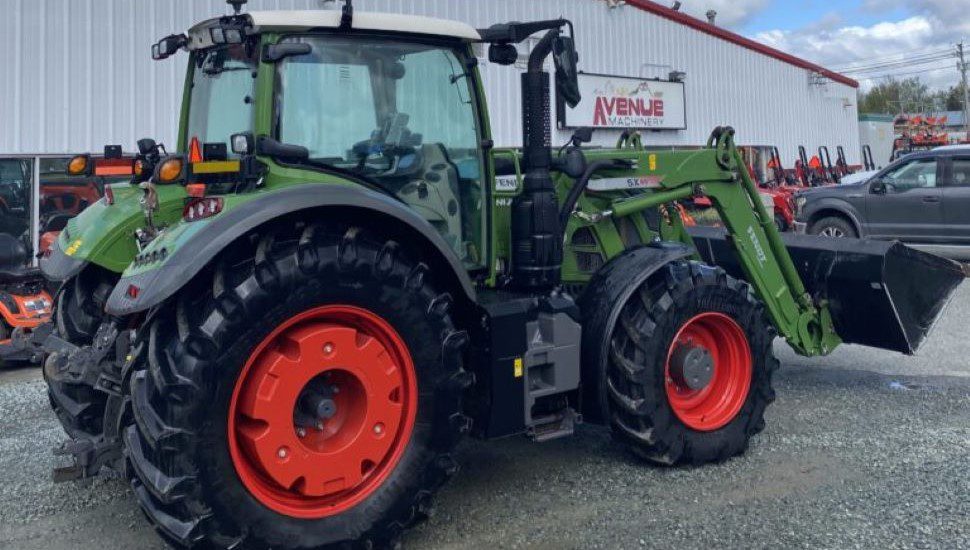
304 392
78 313
690 367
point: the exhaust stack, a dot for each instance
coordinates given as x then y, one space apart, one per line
536 234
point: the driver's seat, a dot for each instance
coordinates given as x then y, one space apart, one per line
13 261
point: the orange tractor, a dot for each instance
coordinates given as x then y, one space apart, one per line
25 304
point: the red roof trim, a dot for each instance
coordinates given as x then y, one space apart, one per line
703 26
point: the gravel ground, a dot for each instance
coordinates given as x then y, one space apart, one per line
863 449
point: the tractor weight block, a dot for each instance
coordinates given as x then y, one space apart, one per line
881 294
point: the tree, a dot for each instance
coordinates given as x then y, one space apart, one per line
953 98
894 96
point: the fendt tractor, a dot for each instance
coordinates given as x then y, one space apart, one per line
357 278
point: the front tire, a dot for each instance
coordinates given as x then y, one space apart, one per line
221 450
690 367
78 313
834 227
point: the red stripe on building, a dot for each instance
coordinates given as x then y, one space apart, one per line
713 30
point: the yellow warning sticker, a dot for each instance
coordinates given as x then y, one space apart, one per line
518 367
652 160
72 249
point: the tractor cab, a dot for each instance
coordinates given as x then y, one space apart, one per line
391 103
394 105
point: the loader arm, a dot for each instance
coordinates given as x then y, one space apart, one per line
717 172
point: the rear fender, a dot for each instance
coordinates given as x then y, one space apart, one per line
189 246
103 234
601 303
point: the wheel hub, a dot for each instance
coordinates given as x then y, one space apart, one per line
322 411
708 371
692 366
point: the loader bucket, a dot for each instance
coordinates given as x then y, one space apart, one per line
881 294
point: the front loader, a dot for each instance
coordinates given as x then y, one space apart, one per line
366 280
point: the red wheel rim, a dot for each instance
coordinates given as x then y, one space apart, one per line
309 466
717 403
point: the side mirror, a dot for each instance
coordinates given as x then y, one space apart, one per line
877 187
567 74
167 46
503 54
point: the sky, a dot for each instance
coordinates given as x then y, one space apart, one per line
847 34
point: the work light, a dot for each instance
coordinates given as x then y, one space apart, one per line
242 144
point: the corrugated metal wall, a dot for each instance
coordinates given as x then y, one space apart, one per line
77 73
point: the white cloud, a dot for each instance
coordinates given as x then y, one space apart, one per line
935 26
730 13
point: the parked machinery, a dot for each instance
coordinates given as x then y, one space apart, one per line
868 163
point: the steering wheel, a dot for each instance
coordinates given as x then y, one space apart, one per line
393 140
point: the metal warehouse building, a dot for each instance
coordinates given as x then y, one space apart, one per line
78 74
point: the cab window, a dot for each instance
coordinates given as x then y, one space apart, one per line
960 172
920 173
400 116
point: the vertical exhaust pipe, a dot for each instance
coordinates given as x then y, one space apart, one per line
536 232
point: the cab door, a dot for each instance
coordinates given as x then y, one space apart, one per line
905 203
956 199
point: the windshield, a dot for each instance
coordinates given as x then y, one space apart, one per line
223 86
400 115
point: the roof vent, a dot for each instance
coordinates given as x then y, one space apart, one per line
711 16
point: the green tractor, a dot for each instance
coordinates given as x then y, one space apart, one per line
359 279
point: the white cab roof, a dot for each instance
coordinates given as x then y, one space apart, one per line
302 20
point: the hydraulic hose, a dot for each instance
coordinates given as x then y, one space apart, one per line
579 186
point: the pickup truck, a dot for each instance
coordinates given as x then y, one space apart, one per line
922 200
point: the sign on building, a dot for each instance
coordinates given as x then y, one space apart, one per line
624 102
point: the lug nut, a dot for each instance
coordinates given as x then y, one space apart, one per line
328 348
378 428
282 453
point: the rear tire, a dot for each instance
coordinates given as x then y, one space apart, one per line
78 313
197 469
833 226
651 408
